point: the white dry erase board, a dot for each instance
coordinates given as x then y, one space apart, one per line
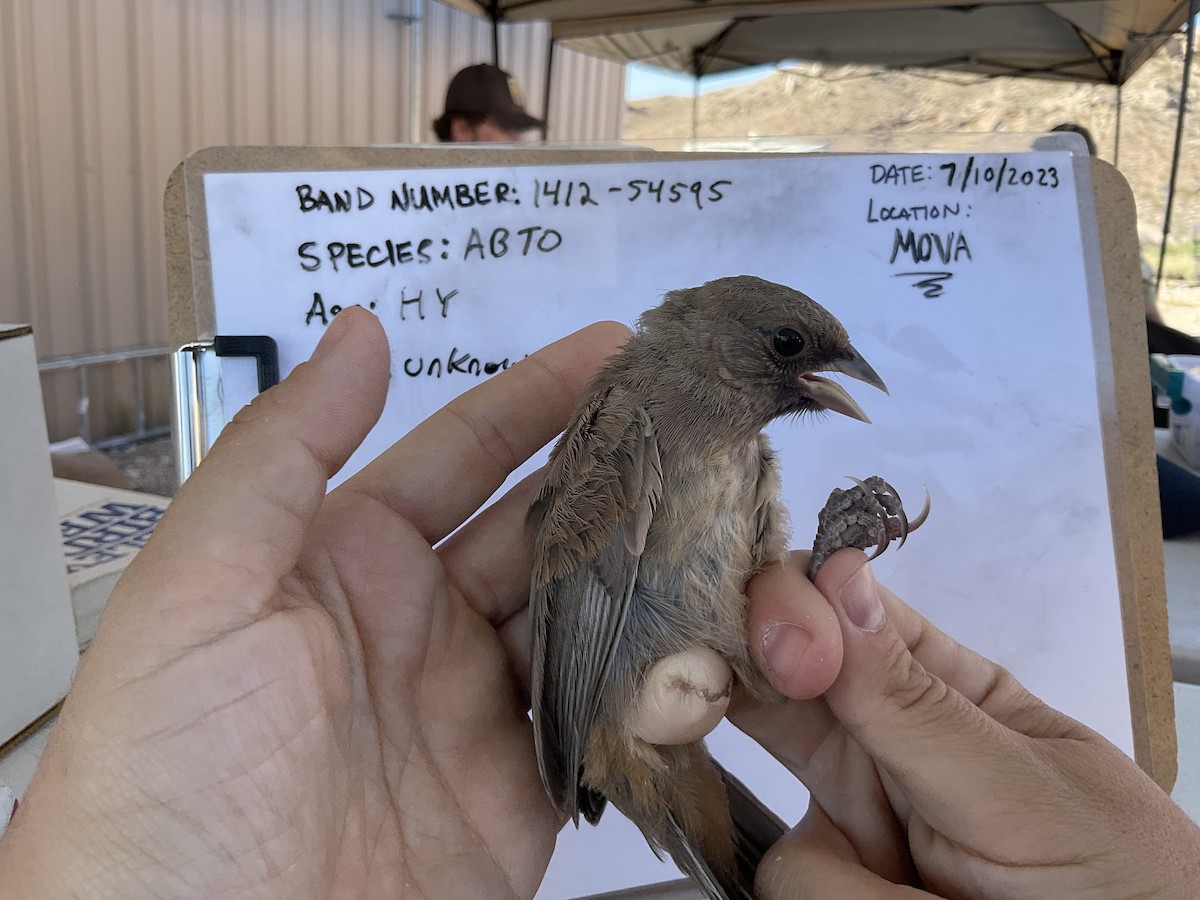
997 293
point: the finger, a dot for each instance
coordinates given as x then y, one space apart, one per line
488 560
795 638
803 734
516 638
815 861
490 557
238 522
682 697
947 755
796 641
444 469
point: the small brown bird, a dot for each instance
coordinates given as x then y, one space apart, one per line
661 499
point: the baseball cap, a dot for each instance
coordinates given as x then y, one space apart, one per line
487 90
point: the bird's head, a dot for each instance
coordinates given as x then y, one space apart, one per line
764 343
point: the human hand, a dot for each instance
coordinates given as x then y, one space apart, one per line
932 772
292 694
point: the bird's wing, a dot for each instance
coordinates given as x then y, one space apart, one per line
771 532
603 482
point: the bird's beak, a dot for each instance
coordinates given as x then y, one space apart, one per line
857 367
831 395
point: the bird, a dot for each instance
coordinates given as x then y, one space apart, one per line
659 501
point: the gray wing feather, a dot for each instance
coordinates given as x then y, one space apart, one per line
772 532
602 484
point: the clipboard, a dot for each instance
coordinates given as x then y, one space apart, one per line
938 227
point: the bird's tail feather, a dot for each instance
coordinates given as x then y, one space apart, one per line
689 858
755 827
754 830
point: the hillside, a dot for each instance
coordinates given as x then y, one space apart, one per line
815 99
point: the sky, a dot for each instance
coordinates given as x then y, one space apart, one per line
643 81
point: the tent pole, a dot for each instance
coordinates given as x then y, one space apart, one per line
416 70
1183 92
1120 105
696 72
546 92
494 15
1117 130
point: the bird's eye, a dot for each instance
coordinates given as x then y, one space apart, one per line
787 341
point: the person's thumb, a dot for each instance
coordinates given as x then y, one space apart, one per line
941 749
816 861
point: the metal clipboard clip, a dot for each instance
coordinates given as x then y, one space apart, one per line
197 415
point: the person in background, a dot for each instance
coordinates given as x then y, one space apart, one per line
1178 488
483 105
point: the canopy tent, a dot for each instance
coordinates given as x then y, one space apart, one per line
1091 40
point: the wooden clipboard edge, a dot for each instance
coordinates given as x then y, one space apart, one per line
184 313
1120 349
1128 438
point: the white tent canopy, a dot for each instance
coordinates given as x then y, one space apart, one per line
1090 40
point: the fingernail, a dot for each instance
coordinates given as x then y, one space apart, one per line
860 599
337 329
784 645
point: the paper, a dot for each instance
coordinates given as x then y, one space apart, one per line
961 278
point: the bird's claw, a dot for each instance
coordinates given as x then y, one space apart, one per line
869 514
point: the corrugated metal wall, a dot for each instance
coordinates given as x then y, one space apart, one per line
100 99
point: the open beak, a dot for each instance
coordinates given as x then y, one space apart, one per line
831 395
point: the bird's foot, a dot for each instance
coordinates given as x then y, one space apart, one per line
869 514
